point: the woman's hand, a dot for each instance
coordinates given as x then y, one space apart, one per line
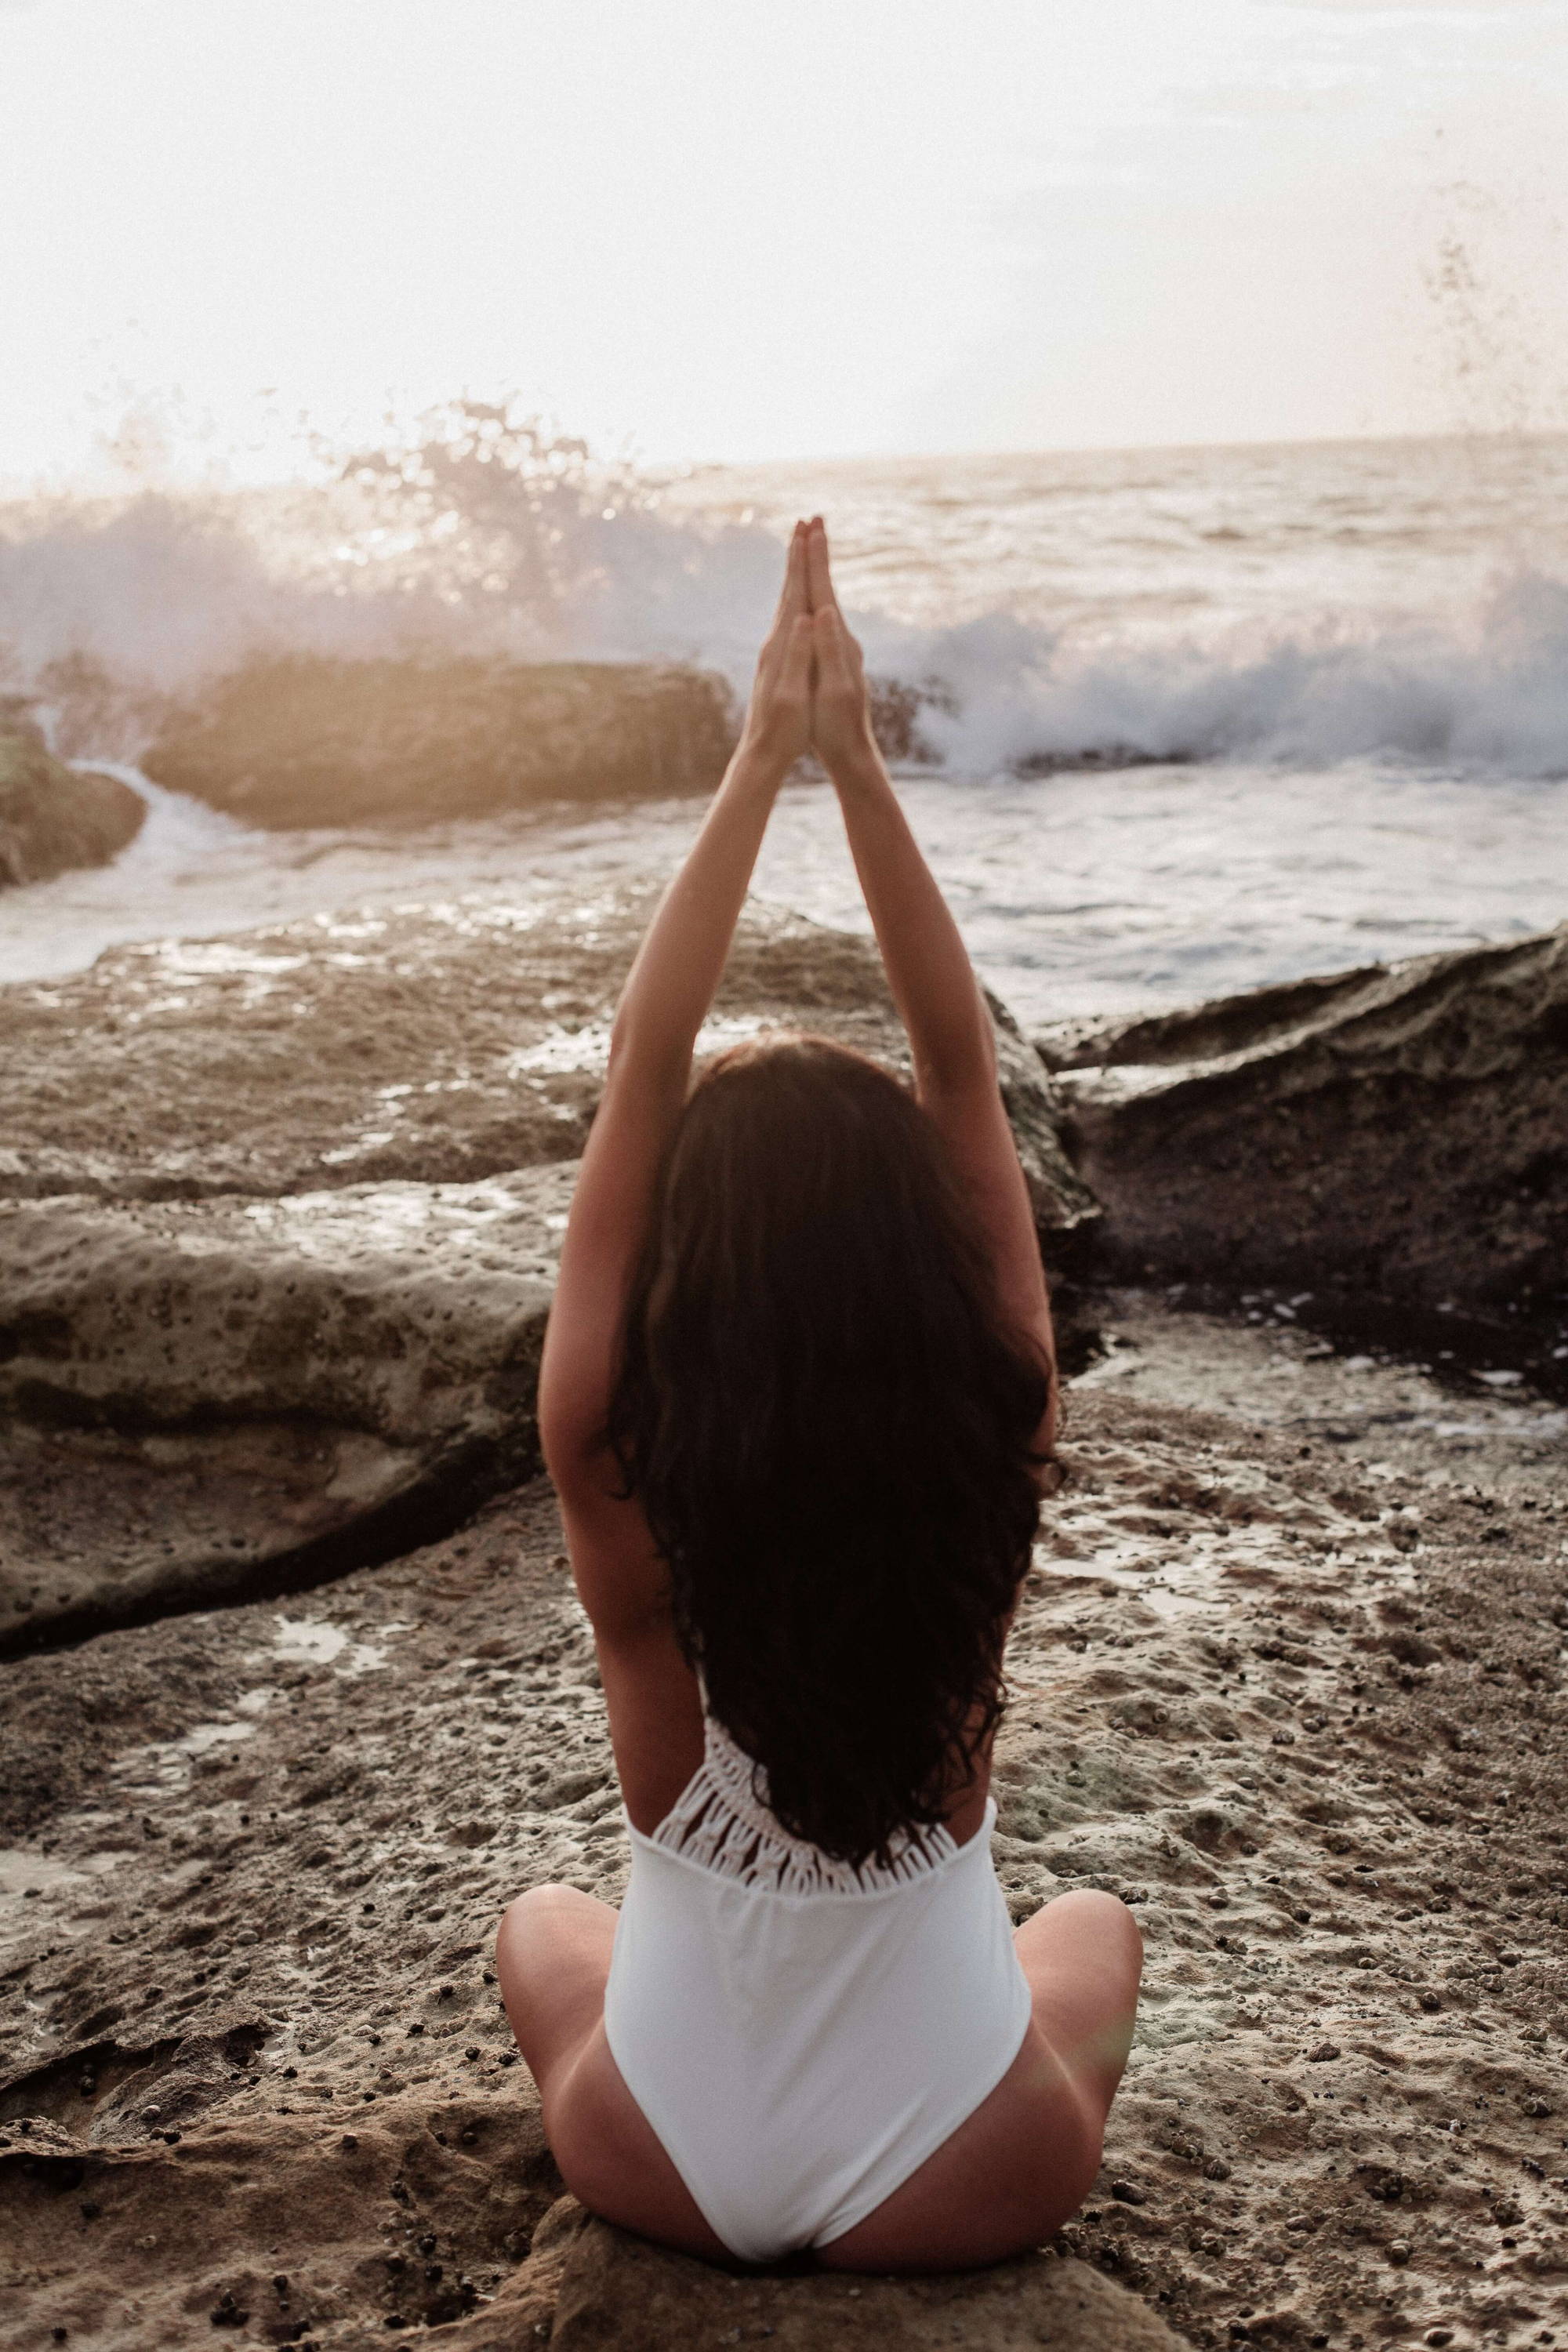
777 727
840 708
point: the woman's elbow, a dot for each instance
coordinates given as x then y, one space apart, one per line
647 1052
570 1435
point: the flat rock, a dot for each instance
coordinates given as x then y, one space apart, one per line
441 1044
1400 1131
251 1863
305 739
292 2225
283 1218
201 1399
53 817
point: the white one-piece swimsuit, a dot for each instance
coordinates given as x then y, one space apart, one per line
801 2034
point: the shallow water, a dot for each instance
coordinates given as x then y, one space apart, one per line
1077 893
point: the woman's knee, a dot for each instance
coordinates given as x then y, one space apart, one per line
544 1927
553 1955
1095 1907
1089 1922
538 1907
551 1910
1083 1957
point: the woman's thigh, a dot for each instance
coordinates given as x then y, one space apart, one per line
1017 2167
553 1959
1007 2177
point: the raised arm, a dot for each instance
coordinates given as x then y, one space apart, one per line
928 967
662 1007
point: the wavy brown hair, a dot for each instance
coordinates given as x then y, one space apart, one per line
829 1427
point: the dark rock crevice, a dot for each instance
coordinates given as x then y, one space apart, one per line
436 1503
1389 1140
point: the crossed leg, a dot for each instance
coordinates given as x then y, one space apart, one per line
1024 2161
1009 2177
553 1958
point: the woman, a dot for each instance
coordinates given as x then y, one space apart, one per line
797 1398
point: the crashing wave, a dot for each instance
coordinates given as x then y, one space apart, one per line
490 536
1487 695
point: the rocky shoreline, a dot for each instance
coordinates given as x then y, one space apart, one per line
1299 1701
298 1694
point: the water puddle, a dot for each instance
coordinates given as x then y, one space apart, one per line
24 1871
154 1770
1154 1587
317 1642
587 1048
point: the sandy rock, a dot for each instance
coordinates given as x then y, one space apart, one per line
1393 1131
53 817
441 1044
243 1395
616 2290
295 2226
305 739
1306 1712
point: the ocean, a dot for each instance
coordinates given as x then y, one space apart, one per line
1190 720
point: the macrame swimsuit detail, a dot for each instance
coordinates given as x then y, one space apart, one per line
720 1822
800 2033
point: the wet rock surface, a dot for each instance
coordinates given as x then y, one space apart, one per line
1396 1134
309 740
1302 1705
53 817
283 1218
440 1044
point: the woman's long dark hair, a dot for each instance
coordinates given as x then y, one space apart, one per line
829 1428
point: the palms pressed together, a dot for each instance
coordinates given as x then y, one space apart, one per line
809 693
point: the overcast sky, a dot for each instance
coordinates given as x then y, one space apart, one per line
720 229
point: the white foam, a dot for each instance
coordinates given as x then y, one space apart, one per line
1486 692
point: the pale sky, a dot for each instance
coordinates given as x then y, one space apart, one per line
716 229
